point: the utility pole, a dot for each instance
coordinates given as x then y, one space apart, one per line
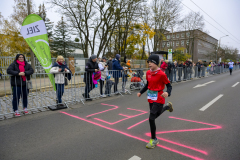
219 46
31 52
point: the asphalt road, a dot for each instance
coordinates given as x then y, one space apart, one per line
117 128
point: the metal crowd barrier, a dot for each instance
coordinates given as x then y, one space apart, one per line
179 74
43 95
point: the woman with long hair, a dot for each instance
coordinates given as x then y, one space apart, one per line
20 71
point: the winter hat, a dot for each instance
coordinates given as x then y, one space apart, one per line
118 56
104 58
154 59
93 56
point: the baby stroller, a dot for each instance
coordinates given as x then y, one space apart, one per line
137 80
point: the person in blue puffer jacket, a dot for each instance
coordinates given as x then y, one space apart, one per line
117 72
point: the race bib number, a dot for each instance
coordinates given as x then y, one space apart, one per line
153 95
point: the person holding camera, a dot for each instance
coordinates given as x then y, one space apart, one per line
90 68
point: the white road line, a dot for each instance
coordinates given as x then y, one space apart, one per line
135 158
211 102
235 84
202 85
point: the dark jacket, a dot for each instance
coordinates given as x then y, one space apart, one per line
13 70
188 64
117 67
89 69
199 65
110 64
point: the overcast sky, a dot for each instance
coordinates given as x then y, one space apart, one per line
225 12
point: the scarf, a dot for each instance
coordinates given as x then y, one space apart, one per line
154 72
60 63
21 68
62 66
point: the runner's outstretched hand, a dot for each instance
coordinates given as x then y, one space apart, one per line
139 94
165 95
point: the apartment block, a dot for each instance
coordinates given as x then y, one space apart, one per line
194 42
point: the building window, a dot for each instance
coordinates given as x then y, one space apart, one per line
168 36
187 42
173 44
182 35
182 43
177 35
173 36
168 44
188 34
163 44
177 43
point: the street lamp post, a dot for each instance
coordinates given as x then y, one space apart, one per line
31 52
219 46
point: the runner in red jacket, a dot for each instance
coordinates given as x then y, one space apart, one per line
156 81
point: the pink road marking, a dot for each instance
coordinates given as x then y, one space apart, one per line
125 115
128 135
182 145
190 130
111 123
137 110
115 107
196 122
187 130
137 124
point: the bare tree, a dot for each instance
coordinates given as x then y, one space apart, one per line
20 11
227 52
129 15
166 14
193 24
94 20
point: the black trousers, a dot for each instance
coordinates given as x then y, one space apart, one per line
116 83
101 86
156 109
88 88
230 69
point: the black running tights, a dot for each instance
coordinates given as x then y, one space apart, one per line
155 112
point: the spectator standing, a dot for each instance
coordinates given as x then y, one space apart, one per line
170 70
212 67
20 71
199 66
60 71
90 68
99 60
108 86
129 65
163 66
109 64
175 67
117 68
104 73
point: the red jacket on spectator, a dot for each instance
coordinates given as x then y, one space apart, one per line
164 66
